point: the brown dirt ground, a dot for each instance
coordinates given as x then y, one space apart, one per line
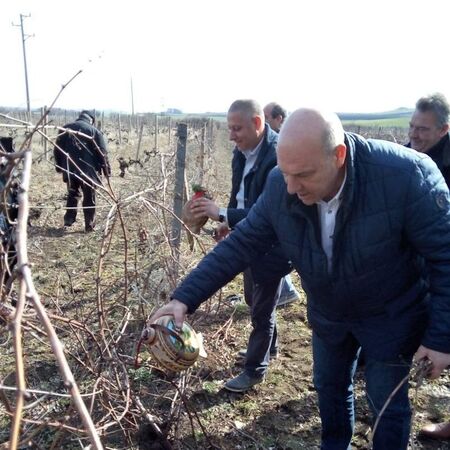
280 414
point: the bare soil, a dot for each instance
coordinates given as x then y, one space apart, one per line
193 409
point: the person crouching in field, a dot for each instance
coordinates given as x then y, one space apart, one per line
356 217
81 156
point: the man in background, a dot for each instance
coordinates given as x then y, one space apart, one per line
275 115
81 156
429 133
253 158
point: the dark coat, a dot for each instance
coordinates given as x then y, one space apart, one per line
256 178
85 157
395 207
273 264
440 154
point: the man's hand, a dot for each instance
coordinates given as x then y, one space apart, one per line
439 361
221 232
205 207
174 308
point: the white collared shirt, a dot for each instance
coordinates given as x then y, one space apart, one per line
250 159
327 217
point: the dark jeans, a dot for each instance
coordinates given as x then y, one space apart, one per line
262 300
334 368
74 189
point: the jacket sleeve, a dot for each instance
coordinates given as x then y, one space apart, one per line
103 160
252 237
235 215
60 157
427 224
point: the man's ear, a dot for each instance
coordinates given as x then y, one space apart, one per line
257 120
444 130
341 152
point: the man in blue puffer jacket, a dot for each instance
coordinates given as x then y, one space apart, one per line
354 216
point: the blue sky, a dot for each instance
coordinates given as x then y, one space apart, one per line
200 55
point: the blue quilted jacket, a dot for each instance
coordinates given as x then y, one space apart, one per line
394 215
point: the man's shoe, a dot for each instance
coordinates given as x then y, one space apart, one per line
242 354
285 300
233 298
439 431
242 383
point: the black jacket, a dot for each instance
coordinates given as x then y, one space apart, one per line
440 154
255 180
273 264
82 156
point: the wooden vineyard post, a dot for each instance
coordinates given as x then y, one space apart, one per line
156 131
202 154
211 134
120 129
42 137
46 133
170 131
179 186
141 130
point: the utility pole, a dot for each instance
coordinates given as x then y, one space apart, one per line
24 38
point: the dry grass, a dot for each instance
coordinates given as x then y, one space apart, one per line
124 274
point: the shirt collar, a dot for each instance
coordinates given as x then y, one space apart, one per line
338 196
250 153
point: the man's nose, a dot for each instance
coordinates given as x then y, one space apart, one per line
413 132
293 186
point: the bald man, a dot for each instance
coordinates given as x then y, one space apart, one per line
354 216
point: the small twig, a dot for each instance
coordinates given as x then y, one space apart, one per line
421 370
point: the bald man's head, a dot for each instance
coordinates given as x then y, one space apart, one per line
316 125
311 154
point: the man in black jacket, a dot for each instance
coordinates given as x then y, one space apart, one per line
81 156
253 158
429 133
